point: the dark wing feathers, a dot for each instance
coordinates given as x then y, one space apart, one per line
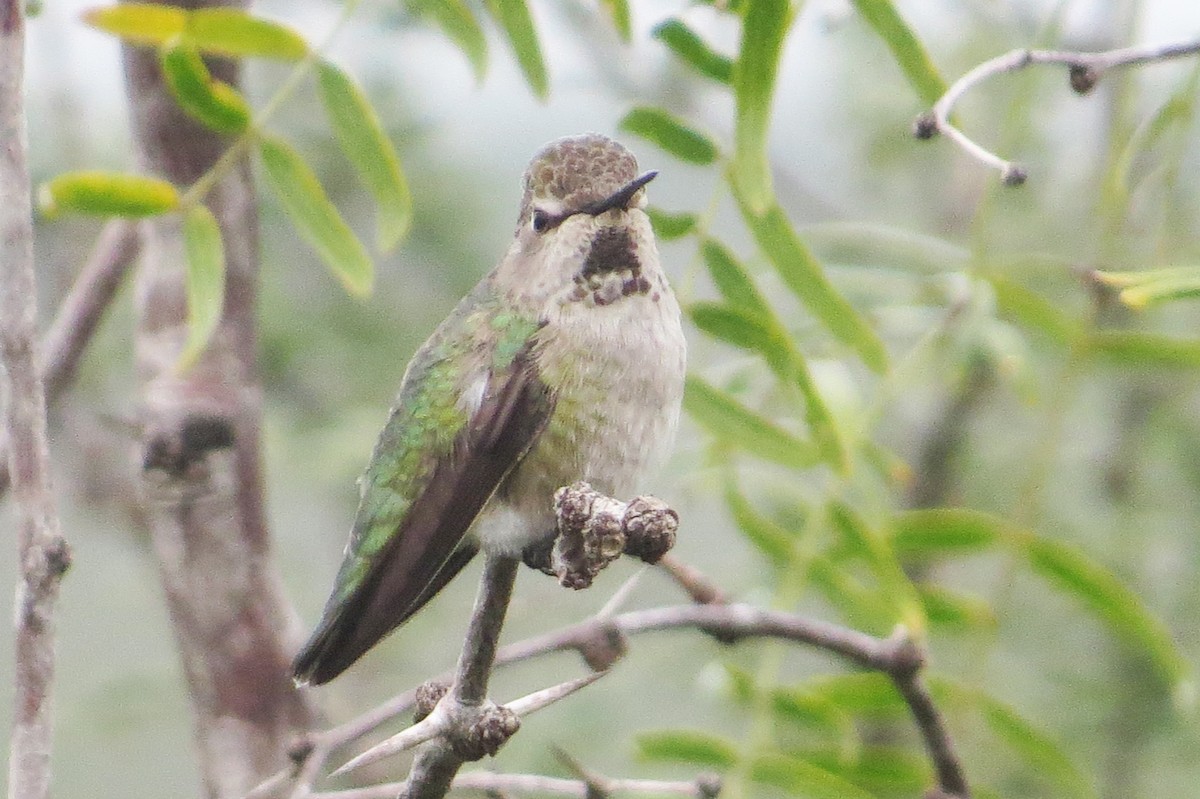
428 547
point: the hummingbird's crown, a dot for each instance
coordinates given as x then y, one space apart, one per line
577 170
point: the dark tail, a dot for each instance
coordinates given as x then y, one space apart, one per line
346 634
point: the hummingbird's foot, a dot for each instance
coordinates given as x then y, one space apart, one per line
594 530
429 693
492 728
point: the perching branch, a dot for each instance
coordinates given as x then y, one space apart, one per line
601 641
81 311
41 550
1084 72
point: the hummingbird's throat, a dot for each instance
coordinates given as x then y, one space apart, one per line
610 271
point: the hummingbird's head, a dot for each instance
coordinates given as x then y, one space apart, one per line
582 234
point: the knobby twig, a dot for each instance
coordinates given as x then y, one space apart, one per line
43 553
80 313
1084 72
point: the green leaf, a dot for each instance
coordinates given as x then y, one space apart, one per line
772 540
894 583
1132 348
803 274
455 19
886 770
763 334
668 226
363 140
106 194
618 12
693 51
139 23
1033 311
233 32
212 102
735 326
205 281
955 611
687 746
315 217
670 134
764 28
811 711
223 31
939 532
803 778
732 279
1070 569
1141 289
1045 757
730 421
869 694
906 48
515 19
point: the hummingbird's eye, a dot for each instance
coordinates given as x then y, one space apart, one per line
541 220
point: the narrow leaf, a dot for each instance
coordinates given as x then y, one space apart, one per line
455 19
869 694
687 746
954 610
693 51
1071 570
729 420
734 326
670 134
1032 310
803 778
618 12
214 103
140 23
894 583
106 194
515 19
772 540
763 334
732 279
1133 348
906 48
233 32
1043 754
223 31
205 281
315 217
1141 289
668 226
363 140
764 28
804 275
946 531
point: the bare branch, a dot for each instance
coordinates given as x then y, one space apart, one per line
80 313
1084 71
41 550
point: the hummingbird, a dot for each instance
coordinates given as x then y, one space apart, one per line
566 362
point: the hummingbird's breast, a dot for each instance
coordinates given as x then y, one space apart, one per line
612 353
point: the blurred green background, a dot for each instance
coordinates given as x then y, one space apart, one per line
1101 452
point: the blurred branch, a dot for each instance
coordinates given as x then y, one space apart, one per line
704 787
41 550
1084 72
897 656
81 311
201 476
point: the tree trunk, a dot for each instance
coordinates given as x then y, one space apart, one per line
200 457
